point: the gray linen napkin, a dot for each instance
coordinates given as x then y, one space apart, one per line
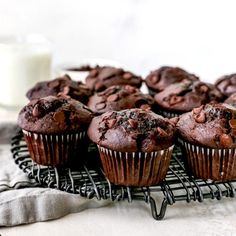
22 201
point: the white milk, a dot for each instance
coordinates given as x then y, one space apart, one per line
23 62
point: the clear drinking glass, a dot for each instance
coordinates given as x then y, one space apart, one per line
24 60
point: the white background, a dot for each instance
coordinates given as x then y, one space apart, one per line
141 34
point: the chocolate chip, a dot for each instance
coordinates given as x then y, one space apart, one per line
154 79
127 75
175 99
100 106
61 94
226 140
145 107
37 111
161 131
133 123
200 118
174 120
112 98
59 116
232 123
66 90
93 73
204 88
111 123
53 84
130 89
197 110
99 86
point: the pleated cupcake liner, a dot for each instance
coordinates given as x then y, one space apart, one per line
56 149
167 114
135 168
218 164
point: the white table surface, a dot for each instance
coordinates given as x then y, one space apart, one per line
211 217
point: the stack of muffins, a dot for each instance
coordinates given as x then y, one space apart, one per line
135 133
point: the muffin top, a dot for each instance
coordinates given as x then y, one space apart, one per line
161 78
186 95
54 115
62 85
81 68
210 125
119 97
132 130
227 84
103 77
231 100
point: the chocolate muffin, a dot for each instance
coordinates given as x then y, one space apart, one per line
55 130
208 136
119 97
231 100
76 72
161 78
227 84
135 145
103 77
62 85
182 97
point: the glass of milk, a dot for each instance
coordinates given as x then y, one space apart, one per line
24 60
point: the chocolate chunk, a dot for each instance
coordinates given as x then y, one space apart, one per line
133 123
204 88
53 84
174 120
232 123
154 79
197 110
161 132
200 118
175 99
100 106
145 107
66 90
127 75
130 89
93 73
59 116
111 123
37 111
112 98
226 140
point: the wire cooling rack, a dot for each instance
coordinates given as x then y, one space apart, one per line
91 182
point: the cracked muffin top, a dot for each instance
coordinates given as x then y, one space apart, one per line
54 115
161 78
210 125
119 97
132 130
101 78
186 95
62 85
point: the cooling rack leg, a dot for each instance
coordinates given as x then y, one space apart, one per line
162 212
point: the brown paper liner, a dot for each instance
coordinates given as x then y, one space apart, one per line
168 114
135 168
210 163
56 149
